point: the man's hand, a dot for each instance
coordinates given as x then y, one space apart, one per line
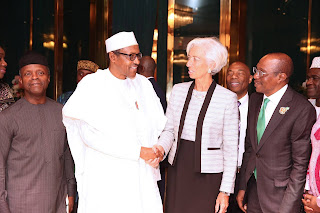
240 198
71 203
222 202
310 203
148 154
159 151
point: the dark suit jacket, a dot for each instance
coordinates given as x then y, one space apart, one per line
159 92
282 156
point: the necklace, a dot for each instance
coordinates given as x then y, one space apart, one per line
199 95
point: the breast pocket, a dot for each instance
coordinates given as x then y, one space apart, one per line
55 145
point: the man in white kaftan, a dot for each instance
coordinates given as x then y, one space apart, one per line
109 141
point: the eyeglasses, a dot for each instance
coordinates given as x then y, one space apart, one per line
131 56
260 73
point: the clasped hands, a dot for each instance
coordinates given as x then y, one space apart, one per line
152 156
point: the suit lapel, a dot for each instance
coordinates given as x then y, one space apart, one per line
256 111
276 116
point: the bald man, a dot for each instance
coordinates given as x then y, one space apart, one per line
147 68
277 145
238 80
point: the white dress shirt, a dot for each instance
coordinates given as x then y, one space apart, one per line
273 103
243 108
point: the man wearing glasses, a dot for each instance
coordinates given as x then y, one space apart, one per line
277 145
112 142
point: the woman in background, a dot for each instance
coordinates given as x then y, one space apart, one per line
6 95
201 135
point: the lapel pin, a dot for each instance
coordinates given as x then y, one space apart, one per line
283 110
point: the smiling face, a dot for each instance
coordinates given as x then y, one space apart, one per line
271 82
121 66
34 79
313 83
197 63
239 78
3 63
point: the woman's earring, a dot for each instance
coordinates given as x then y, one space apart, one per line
209 71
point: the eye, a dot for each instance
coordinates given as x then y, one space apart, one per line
40 73
27 74
229 73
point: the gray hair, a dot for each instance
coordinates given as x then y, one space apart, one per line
214 51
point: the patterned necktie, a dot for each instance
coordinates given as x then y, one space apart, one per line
261 125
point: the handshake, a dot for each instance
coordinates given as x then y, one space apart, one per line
152 156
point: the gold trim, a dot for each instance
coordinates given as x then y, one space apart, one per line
31 25
225 22
309 35
170 47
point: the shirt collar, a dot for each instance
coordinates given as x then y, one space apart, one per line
275 97
244 99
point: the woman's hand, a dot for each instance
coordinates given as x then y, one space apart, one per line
310 203
222 203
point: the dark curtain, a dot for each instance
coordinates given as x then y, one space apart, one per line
138 16
162 44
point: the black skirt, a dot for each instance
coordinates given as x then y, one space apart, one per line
189 191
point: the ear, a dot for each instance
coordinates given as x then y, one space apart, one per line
112 56
212 65
140 69
250 79
20 82
48 72
282 76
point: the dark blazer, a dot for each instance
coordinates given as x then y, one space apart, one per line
159 92
282 156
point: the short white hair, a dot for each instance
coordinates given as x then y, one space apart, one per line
214 51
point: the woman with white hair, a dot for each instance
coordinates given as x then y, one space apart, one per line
201 135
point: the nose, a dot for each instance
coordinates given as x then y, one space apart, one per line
309 81
34 75
3 62
188 63
136 60
256 75
234 76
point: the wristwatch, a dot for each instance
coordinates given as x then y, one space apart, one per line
226 193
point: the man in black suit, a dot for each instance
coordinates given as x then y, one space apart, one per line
277 146
238 80
146 68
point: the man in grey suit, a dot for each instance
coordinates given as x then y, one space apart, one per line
36 167
277 146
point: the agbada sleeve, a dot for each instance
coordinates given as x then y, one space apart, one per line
112 143
6 135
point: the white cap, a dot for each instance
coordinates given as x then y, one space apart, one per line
315 63
120 40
